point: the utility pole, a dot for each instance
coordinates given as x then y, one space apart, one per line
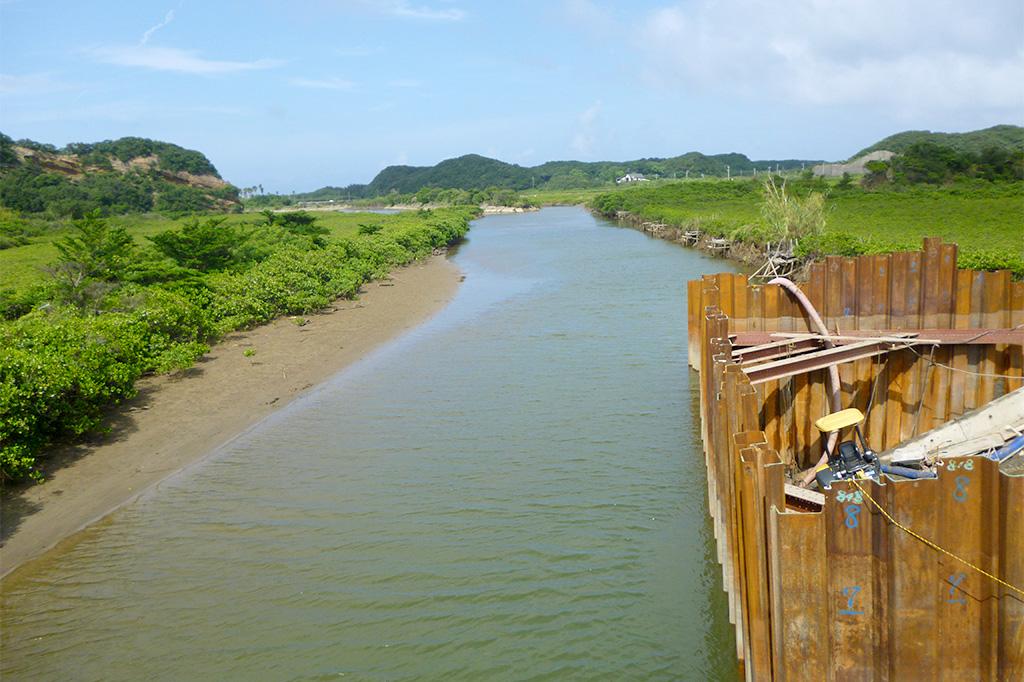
728 172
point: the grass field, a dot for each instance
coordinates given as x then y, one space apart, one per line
985 219
23 266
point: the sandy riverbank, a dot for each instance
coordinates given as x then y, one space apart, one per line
176 420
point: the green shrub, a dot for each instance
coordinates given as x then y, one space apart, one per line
60 366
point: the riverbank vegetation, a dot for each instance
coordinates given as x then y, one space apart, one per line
425 197
982 216
120 298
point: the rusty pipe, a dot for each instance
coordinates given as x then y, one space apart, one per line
833 371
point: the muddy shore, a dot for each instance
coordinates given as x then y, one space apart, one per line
178 419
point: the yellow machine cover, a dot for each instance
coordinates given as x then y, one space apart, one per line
839 420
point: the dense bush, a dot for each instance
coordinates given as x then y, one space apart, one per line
61 365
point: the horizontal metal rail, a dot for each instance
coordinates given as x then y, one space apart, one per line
808 362
979 336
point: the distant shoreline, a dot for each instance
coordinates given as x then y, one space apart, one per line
487 209
177 420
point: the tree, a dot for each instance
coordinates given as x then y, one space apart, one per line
92 261
98 250
204 246
298 222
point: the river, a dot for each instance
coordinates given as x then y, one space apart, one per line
513 490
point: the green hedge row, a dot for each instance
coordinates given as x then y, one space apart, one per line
60 367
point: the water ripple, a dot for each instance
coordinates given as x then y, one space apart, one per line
513 491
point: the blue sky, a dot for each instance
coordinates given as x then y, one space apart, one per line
296 95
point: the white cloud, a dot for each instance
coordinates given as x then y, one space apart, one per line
30 84
400 8
173 59
149 33
404 9
586 135
331 83
911 56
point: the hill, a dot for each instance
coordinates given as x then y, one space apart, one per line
128 175
1008 137
473 171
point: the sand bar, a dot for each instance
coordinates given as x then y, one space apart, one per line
176 420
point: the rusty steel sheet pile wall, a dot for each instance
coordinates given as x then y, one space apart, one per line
908 395
845 593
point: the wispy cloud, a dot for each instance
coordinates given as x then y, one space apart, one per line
586 133
405 9
149 33
173 59
29 84
400 8
406 83
125 111
331 83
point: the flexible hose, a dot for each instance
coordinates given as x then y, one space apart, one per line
833 371
907 472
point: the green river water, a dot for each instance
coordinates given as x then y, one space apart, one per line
514 490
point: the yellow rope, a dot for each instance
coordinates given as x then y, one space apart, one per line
932 544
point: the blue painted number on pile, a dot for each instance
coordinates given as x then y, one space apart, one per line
851 594
954 582
851 510
960 494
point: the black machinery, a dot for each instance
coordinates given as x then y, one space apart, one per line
847 460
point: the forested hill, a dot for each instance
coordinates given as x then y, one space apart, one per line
473 171
128 175
1005 137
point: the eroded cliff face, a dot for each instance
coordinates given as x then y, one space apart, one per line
76 167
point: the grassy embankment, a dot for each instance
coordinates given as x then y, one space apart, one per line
113 306
985 219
